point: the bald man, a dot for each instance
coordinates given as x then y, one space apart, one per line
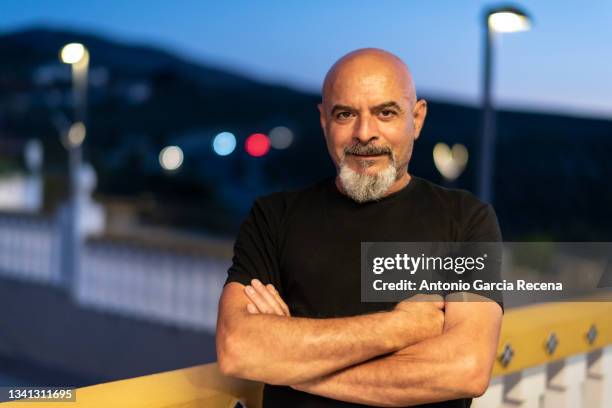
291 315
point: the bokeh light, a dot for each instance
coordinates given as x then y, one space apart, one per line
72 53
171 158
76 134
450 162
224 143
257 144
281 137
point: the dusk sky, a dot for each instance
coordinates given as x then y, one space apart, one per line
563 64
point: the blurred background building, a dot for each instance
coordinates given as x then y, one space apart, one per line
121 189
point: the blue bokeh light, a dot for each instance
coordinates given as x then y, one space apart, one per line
224 143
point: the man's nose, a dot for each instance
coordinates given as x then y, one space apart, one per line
366 129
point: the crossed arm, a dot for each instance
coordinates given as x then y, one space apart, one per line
455 364
275 348
406 360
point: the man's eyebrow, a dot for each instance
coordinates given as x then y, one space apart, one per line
338 107
386 105
376 108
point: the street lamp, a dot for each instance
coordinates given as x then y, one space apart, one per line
498 20
77 56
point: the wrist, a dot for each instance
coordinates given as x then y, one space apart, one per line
396 338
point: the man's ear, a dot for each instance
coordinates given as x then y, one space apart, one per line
322 118
418 116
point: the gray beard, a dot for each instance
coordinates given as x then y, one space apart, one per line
367 187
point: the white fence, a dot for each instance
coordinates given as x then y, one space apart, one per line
30 248
156 285
160 286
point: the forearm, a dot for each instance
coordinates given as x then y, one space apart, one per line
285 350
437 369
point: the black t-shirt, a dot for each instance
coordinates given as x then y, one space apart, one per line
307 244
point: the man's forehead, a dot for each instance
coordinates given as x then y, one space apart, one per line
372 90
373 75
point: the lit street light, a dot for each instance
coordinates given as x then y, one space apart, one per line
77 56
498 20
72 53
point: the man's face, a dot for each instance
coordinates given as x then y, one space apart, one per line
368 119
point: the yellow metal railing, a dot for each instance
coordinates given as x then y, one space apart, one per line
536 335
201 386
530 336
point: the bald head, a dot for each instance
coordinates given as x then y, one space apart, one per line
369 66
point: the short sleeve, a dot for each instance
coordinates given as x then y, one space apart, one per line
481 225
481 235
255 250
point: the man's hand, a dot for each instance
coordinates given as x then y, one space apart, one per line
427 311
265 299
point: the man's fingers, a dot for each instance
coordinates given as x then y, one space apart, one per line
266 299
267 296
257 300
279 299
251 308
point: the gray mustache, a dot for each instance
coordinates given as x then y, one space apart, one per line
367 149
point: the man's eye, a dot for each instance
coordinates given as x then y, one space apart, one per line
344 115
387 113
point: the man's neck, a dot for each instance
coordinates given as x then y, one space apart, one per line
399 184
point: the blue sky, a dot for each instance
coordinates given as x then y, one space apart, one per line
563 64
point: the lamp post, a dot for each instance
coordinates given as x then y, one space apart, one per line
498 20
77 56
